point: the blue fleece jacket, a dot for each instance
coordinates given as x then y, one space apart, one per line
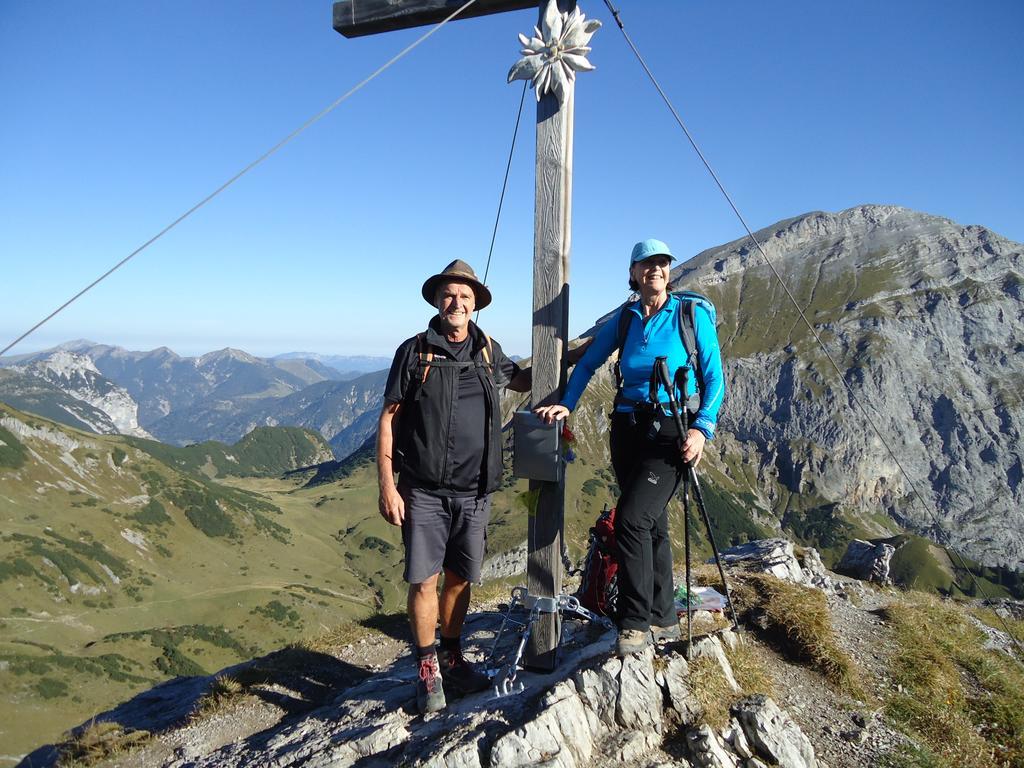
645 341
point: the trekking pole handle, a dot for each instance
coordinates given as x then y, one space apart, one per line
661 370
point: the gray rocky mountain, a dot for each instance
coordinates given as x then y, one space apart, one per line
35 395
77 377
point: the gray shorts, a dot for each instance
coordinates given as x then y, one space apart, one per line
443 532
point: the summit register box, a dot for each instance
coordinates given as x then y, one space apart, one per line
537 448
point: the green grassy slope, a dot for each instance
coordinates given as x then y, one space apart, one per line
118 570
923 565
265 451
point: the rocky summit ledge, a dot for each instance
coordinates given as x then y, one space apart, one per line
593 710
806 685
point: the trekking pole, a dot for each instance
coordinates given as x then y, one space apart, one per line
661 374
686 549
690 478
714 547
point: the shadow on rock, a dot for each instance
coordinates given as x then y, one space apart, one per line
296 680
394 625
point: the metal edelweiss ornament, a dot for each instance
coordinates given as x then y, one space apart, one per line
556 52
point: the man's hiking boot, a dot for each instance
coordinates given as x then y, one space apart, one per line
460 674
631 641
667 634
429 689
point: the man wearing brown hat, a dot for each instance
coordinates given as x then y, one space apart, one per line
440 429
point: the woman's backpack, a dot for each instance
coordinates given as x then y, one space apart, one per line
599 589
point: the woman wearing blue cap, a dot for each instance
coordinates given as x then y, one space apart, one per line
644 437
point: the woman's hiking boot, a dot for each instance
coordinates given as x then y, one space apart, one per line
667 634
429 687
631 641
460 674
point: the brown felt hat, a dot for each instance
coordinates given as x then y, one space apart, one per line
457 272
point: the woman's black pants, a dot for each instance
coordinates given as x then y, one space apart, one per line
648 467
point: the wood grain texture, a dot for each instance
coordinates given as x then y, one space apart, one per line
551 245
355 18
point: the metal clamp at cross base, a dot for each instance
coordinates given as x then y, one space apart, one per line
505 679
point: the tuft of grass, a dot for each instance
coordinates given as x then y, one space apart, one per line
97 742
714 694
797 620
750 665
963 703
712 691
223 692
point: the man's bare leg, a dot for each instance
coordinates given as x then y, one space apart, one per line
454 604
422 606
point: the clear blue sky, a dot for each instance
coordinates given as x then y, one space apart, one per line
119 115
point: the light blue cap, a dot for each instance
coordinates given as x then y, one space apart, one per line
647 248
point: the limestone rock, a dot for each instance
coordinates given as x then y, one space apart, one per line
772 556
599 690
639 703
463 755
677 689
707 751
730 638
866 561
505 564
628 747
737 739
710 647
773 734
558 736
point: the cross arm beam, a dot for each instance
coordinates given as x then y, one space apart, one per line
355 18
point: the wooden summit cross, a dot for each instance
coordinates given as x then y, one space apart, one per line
551 57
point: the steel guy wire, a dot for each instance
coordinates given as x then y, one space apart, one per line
504 187
287 139
917 496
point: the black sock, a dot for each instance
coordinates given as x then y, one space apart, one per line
451 643
426 650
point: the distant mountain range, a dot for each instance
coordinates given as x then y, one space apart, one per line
347 366
221 395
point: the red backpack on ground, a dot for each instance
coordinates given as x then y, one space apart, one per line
599 589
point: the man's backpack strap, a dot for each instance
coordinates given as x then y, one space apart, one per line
488 350
424 355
